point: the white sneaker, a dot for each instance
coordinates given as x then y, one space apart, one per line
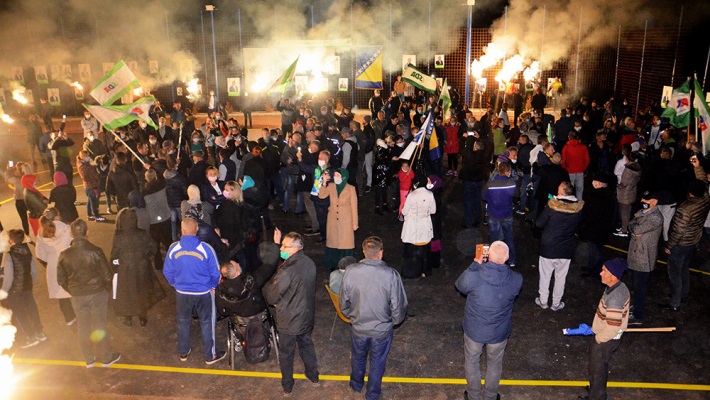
72 322
540 303
557 307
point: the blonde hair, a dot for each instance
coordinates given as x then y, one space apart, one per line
150 175
237 194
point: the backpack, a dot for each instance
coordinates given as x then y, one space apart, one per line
256 338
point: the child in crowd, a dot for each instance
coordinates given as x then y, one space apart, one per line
405 176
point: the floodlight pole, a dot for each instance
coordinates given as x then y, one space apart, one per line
469 24
579 44
204 50
643 53
677 40
211 9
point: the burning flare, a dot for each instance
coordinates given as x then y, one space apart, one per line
532 71
139 91
75 84
7 338
6 119
19 96
511 67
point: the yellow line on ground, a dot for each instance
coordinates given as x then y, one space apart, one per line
38 188
658 261
345 378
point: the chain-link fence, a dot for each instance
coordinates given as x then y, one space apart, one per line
636 68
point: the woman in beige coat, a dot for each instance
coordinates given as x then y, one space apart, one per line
342 218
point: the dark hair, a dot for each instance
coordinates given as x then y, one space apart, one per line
79 228
372 246
17 236
296 239
49 230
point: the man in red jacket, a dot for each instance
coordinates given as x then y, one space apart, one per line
575 159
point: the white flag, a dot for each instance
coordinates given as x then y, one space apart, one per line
117 82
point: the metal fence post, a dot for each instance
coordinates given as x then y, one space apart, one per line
354 58
677 41
204 50
618 52
643 54
167 35
579 45
542 37
468 54
428 52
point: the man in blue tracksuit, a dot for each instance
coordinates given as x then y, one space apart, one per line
499 193
191 267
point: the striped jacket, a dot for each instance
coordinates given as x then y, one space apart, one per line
612 315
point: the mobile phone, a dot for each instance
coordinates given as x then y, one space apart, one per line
299 148
482 251
11 164
64 116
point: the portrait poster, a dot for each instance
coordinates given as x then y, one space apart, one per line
41 74
439 61
342 84
53 96
233 87
85 72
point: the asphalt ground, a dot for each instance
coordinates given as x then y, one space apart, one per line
426 359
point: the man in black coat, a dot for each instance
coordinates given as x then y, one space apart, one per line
474 173
558 222
61 153
551 175
292 291
121 181
84 272
597 223
198 176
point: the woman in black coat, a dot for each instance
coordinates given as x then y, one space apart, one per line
231 220
138 289
63 195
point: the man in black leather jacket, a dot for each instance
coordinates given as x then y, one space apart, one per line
84 272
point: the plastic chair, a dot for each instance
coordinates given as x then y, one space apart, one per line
336 303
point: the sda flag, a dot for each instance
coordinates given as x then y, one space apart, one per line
445 97
417 78
117 82
678 109
368 73
285 78
703 113
113 117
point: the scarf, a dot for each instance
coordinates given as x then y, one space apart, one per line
345 175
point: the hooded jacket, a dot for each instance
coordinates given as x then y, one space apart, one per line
499 194
490 291
191 266
575 157
558 222
373 297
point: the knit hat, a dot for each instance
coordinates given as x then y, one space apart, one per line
648 195
697 188
505 157
616 267
345 261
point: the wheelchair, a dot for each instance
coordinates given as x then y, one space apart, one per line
236 329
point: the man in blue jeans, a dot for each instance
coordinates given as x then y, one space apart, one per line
499 194
684 234
490 288
372 296
191 267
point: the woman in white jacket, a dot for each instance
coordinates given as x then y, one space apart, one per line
53 238
418 230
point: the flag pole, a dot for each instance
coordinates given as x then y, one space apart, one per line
127 146
180 141
692 107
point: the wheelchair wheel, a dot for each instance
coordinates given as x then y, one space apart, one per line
231 344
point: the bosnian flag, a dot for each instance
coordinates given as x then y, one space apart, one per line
117 82
426 129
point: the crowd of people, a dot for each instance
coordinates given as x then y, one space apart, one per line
194 202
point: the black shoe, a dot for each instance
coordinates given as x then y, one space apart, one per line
367 189
385 208
143 321
128 321
668 307
378 211
320 240
219 356
313 233
634 321
114 358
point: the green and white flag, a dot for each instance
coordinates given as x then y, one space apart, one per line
445 97
117 82
285 78
418 78
549 133
113 117
678 109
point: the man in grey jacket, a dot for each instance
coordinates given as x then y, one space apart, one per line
372 296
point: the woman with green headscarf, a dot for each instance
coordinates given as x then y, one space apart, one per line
342 218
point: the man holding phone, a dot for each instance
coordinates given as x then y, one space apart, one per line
491 288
